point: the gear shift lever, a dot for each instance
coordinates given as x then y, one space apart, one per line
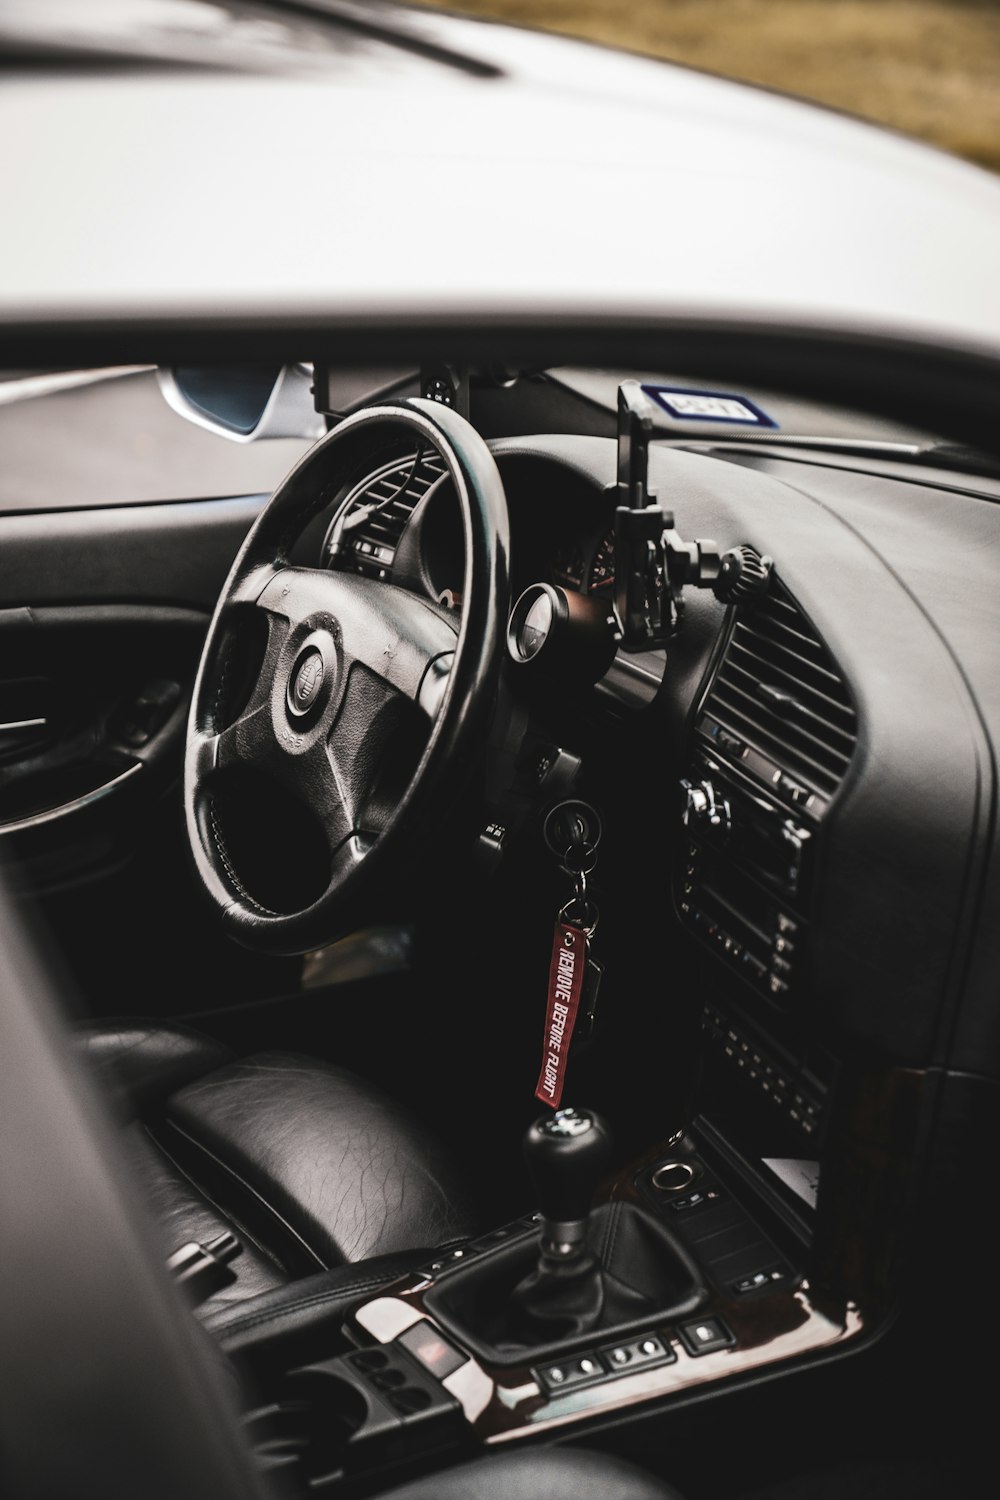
595 1271
565 1154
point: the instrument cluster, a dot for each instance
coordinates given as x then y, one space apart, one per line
587 566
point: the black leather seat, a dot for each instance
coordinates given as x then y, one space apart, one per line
538 1474
311 1167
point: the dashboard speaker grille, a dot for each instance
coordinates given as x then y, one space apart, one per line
778 691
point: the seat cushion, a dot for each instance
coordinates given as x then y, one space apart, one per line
322 1165
538 1474
312 1168
138 1064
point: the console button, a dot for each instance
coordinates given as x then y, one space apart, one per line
651 1349
692 1200
758 1279
577 1370
636 1353
705 1336
435 1352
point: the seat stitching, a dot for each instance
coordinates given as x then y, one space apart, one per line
254 1193
252 1320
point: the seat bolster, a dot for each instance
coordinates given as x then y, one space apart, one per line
183 1213
343 1171
555 1473
137 1065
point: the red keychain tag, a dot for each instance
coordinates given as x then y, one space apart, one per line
569 960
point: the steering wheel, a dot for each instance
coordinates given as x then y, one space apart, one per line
331 712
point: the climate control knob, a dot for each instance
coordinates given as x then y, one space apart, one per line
704 806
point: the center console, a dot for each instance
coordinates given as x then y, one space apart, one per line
492 1342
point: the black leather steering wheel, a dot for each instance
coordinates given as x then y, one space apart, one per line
311 681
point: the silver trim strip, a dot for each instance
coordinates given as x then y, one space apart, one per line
51 813
471 1387
15 725
387 1317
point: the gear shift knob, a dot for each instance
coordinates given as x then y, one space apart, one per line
565 1154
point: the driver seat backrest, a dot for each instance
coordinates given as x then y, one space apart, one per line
309 1166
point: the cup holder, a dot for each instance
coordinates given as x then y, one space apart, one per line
394 1383
346 1415
369 1360
308 1426
412 1398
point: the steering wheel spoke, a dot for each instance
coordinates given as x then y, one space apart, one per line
243 743
248 741
333 796
251 586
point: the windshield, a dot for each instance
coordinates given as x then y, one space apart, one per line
108 437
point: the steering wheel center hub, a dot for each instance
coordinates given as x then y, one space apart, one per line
305 684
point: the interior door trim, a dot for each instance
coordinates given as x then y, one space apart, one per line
50 814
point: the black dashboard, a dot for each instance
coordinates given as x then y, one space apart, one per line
820 817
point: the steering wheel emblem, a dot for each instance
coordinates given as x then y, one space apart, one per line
307 679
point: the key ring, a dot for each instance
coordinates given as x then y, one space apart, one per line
580 859
589 914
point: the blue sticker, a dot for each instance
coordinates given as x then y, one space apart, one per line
708 406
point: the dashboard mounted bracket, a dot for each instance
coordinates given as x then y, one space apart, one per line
653 564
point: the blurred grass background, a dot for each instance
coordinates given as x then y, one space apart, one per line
929 68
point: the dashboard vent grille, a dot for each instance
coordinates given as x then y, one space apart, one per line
779 701
371 520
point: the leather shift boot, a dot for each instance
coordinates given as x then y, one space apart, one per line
558 1300
508 1304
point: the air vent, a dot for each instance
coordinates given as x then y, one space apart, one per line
368 527
780 705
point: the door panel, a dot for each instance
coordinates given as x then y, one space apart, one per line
176 554
103 614
92 706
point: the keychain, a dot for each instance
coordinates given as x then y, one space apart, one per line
572 831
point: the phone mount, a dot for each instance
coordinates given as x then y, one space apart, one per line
653 564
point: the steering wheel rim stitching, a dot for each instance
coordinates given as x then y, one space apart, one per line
240 889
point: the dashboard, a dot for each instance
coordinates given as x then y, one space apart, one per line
817 807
